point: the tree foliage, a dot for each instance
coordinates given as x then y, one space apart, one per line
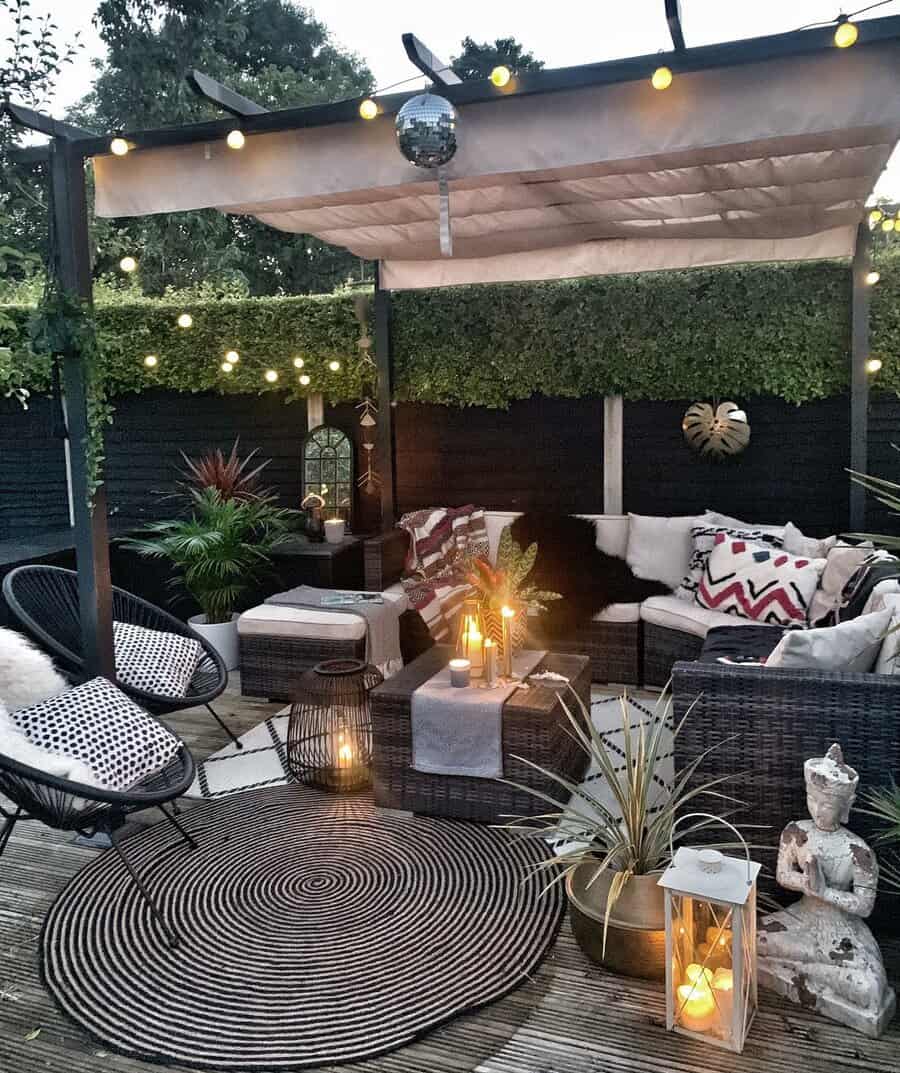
477 60
271 51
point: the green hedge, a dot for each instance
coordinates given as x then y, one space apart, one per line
781 330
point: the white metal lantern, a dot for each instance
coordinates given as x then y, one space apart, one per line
710 904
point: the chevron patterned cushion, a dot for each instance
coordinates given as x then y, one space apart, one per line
751 581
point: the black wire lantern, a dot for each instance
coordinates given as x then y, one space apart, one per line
330 729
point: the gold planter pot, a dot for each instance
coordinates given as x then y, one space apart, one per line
636 937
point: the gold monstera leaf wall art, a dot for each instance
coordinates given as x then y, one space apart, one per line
716 431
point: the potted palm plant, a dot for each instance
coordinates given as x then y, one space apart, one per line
611 848
219 554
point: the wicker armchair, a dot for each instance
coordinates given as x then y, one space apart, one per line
45 601
769 721
70 806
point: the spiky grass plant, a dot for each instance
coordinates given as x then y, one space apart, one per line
888 494
637 841
232 477
221 551
884 804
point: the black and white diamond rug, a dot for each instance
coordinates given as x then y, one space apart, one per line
263 760
313 930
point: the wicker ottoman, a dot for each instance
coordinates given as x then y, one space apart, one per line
534 726
279 643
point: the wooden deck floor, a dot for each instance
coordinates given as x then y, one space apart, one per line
571 1018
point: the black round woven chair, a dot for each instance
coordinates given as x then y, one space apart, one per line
70 806
45 601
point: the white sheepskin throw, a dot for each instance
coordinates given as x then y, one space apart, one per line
27 676
16 746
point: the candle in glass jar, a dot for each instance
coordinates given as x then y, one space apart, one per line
460 672
334 530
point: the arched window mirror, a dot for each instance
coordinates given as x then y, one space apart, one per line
328 471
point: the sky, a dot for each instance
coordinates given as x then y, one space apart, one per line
562 33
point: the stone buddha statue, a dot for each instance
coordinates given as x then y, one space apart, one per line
819 952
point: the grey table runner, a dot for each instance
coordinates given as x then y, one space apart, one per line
459 731
382 621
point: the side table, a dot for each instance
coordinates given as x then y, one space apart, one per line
300 561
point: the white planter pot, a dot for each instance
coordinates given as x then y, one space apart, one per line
223 636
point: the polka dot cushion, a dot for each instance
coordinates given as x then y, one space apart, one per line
154 661
98 724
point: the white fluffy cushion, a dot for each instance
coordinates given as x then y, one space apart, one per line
797 543
97 724
765 584
841 563
26 674
155 661
849 646
888 661
16 746
659 549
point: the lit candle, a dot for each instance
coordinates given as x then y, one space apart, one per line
507 614
344 752
696 1005
473 646
723 994
334 530
460 672
490 662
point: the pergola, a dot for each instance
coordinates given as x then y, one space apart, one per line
760 150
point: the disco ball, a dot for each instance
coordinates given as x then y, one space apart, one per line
426 130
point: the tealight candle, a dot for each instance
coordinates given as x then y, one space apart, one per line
490 662
334 530
460 672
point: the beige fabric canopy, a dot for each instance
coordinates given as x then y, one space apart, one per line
771 160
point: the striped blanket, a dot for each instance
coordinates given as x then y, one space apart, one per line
442 543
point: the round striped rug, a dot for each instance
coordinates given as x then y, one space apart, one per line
313 930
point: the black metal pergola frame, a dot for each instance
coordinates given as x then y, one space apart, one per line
70 147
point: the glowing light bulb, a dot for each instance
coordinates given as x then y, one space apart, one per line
233 357
661 78
151 361
185 320
500 76
128 264
889 224
304 380
334 366
368 109
846 33
119 147
873 365
875 217
235 139
271 376
299 363
226 366
872 278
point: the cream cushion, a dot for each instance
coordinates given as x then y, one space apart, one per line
276 620
850 646
619 613
713 518
672 613
841 562
888 661
659 548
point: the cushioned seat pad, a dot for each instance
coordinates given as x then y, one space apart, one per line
674 613
278 620
757 641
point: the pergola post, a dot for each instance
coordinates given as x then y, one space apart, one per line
71 253
384 443
859 380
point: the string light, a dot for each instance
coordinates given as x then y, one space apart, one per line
873 365
128 264
298 363
304 380
185 320
118 146
151 361
888 224
271 376
846 33
334 366
232 357
226 366
500 76
661 78
235 139
872 278
368 109
875 217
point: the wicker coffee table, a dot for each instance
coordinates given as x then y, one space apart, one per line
534 726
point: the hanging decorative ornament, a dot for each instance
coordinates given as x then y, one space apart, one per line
426 133
369 409
361 308
717 432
